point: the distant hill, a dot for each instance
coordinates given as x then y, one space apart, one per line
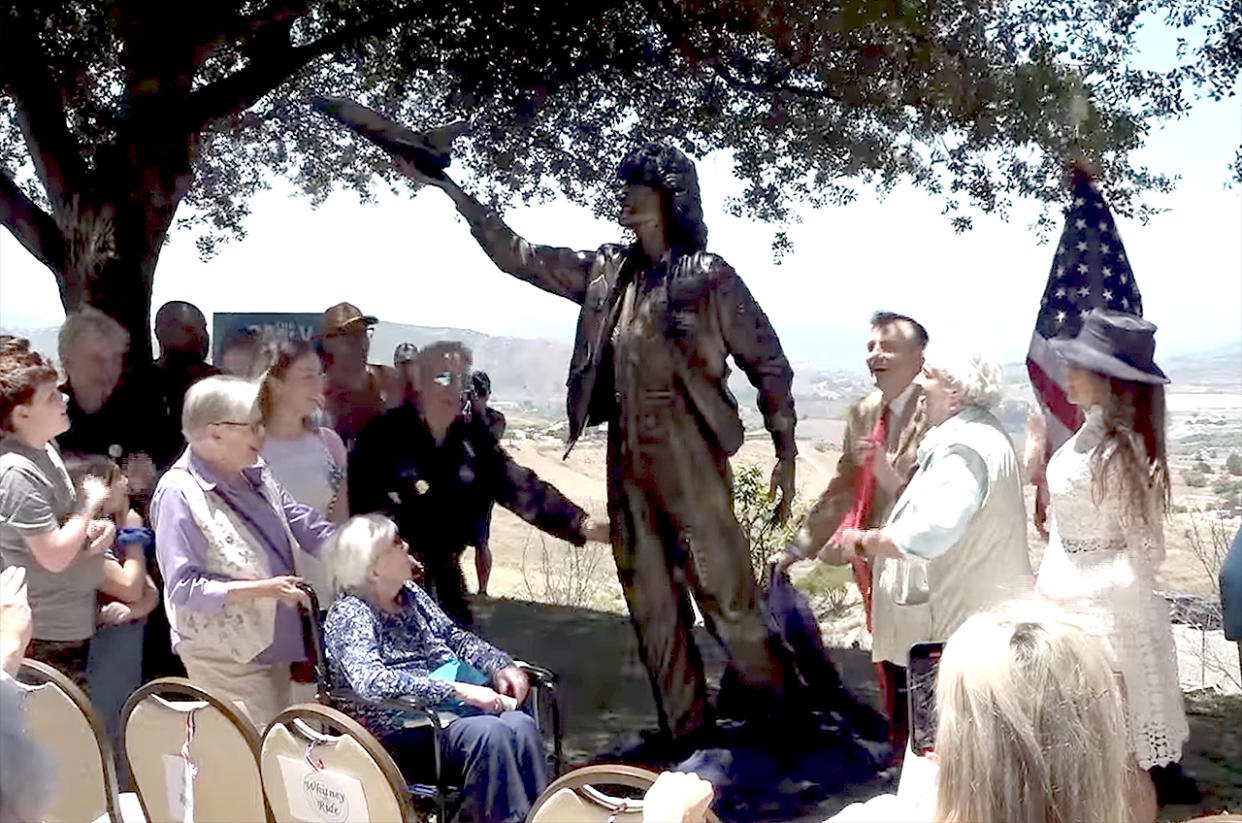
1212 370
531 372
523 370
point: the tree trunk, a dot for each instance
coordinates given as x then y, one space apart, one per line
113 248
148 181
123 292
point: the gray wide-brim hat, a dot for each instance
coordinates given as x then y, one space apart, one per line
1114 344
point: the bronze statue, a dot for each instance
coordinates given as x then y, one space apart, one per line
659 317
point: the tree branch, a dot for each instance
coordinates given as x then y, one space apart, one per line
26 73
671 19
242 89
767 86
242 29
32 226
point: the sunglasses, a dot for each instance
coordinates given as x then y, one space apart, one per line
450 378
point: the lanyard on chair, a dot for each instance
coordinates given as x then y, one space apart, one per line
188 772
314 762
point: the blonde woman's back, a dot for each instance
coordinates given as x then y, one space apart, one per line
1031 727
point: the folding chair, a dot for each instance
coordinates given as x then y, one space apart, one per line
579 796
59 718
320 764
174 730
542 698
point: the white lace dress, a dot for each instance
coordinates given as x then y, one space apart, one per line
1100 566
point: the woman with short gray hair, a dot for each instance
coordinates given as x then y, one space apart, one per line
976 380
225 532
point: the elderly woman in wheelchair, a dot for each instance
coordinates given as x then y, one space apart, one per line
386 638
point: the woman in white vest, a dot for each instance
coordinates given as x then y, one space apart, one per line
955 541
225 535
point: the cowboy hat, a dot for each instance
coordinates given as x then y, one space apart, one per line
343 318
1115 344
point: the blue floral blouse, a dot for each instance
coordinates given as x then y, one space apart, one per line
379 654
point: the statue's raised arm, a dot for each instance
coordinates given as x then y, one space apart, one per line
424 158
561 271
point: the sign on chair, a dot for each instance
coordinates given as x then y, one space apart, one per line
319 795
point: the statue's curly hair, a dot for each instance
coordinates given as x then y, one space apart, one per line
670 172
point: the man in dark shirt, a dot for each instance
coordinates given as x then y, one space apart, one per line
494 421
432 470
123 417
181 330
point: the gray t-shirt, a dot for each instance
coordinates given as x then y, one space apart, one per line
35 498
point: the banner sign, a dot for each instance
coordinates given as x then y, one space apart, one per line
268 325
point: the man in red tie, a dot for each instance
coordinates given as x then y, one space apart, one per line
882 434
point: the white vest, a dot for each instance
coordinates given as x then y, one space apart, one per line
918 600
239 631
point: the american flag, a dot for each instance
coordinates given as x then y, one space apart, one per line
1090 270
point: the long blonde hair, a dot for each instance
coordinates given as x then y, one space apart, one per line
1031 727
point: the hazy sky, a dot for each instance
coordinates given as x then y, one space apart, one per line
411 260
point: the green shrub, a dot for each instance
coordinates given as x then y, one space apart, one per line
753 506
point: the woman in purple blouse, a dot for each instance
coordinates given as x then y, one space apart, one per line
225 532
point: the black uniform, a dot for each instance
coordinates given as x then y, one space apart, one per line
435 493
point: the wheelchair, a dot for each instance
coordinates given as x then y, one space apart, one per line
439 793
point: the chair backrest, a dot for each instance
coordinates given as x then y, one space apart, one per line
578 797
169 719
320 764
59 718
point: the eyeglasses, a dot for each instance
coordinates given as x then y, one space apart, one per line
254 427
450 378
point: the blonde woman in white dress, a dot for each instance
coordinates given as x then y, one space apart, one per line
1109 486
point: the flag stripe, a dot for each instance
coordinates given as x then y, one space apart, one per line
1052 396
1089 270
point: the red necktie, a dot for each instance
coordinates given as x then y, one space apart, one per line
864 494
855 518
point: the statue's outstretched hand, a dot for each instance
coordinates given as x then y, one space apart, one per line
783 482
596 531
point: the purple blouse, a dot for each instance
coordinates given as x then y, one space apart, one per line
181 547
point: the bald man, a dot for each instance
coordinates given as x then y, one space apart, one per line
181 330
